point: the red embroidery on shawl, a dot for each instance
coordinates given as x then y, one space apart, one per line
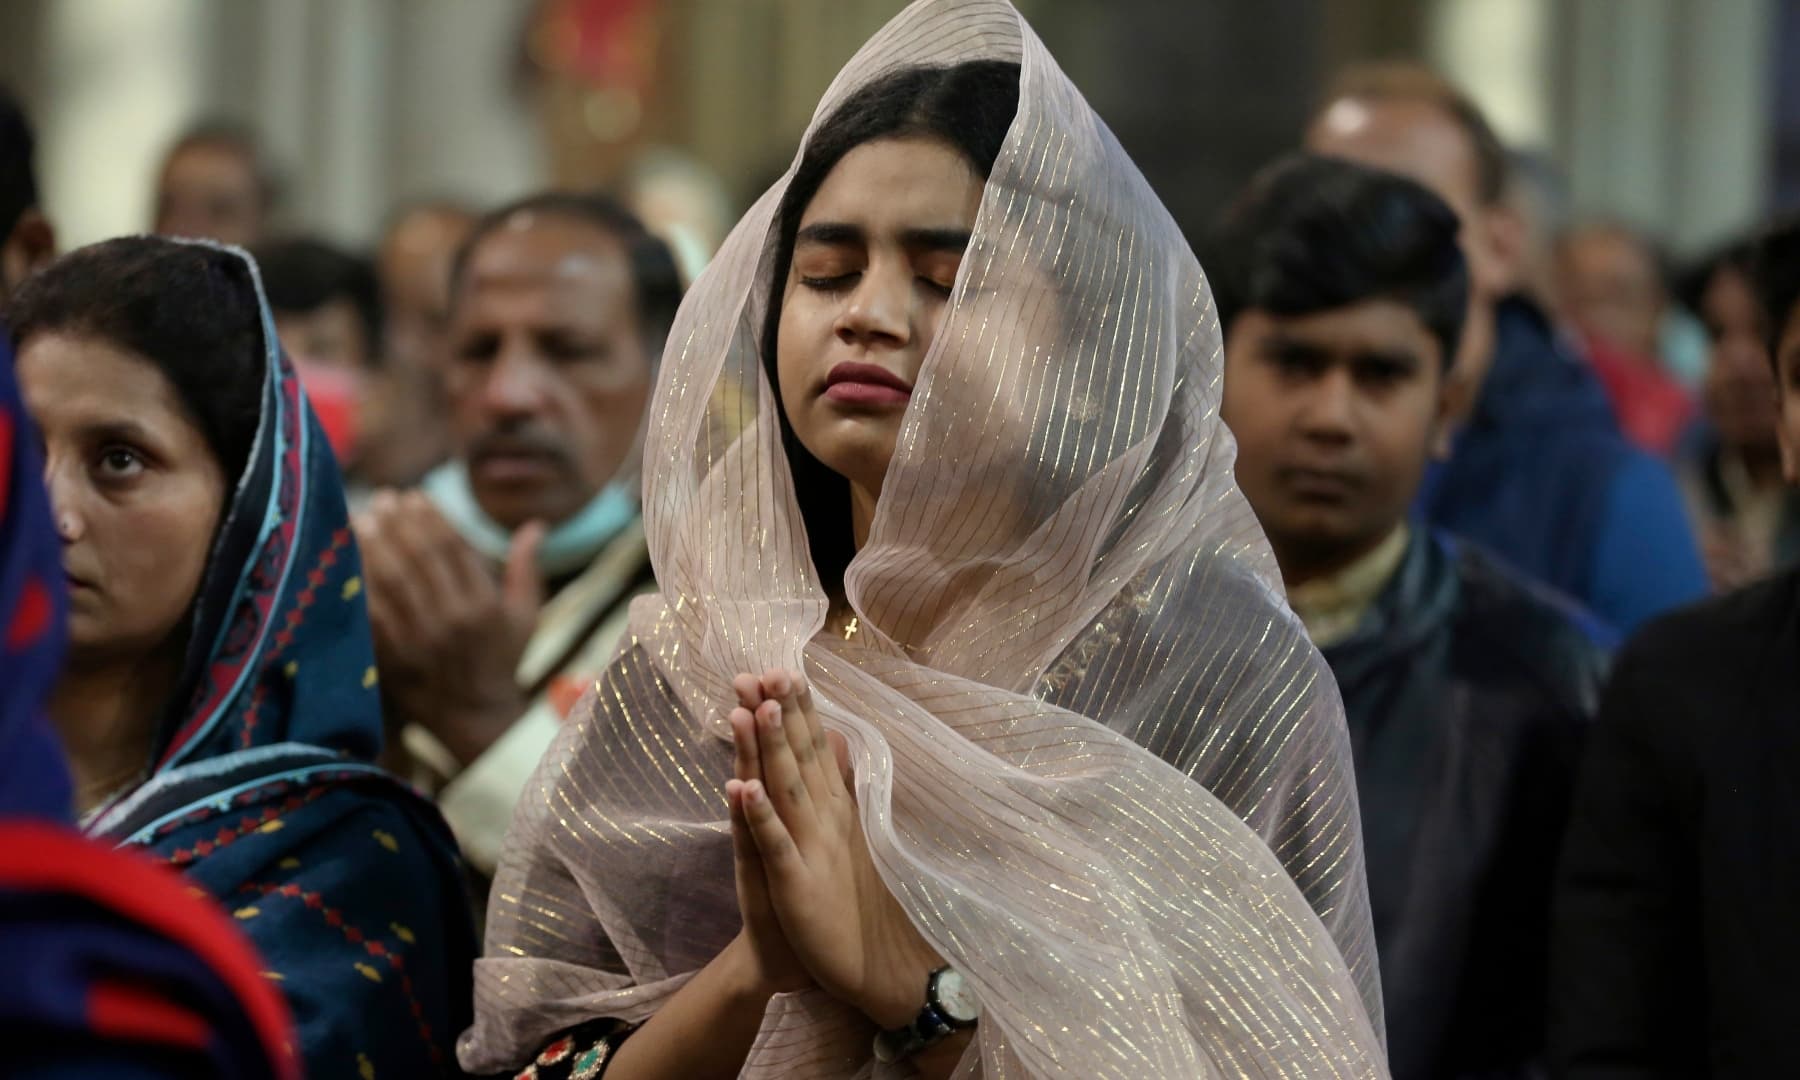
283 638
184 857
269 562
355 936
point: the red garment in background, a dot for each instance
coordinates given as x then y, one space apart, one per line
336 398
1653 409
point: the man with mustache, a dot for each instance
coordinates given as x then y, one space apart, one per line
1342 291
501 586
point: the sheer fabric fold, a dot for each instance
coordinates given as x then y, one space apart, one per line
1097 759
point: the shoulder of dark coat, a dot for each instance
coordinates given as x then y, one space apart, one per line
1719 640
1547 638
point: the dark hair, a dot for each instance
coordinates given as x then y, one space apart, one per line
1314 233
18 179
301 275
969 106
189 309
1405 81
1775 272
654 277
240 140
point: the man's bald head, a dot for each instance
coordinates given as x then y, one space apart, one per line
1410 116
1409 120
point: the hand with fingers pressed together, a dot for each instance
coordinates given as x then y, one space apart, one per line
813 902
449 634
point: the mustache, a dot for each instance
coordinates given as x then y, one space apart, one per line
522 442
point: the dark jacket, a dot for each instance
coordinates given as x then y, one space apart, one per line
1677 939
1541 476
1469 694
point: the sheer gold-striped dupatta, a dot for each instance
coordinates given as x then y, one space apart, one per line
1096 758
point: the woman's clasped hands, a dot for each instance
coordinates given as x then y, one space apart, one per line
816 911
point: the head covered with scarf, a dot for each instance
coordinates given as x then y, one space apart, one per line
124 971
1096 759
260 785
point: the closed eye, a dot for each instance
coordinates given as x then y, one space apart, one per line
833 283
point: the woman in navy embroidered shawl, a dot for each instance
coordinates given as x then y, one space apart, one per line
220 704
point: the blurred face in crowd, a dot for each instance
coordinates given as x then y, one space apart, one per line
1610 287
1738 392
329 336
406 424
136 489
875 258
1335 415
30 246
210 189
549 371
414 265
1787 378
1422 141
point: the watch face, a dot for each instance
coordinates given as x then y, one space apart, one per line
954 998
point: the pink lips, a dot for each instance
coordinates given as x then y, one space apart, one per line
852 383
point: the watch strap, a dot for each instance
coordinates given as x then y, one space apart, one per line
931 1026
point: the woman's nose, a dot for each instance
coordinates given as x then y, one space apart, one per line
70 525
880 307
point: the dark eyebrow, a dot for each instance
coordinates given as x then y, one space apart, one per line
1401 358
840 234
1291 349
956 240
829 233
117 431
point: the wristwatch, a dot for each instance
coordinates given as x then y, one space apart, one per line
949 1007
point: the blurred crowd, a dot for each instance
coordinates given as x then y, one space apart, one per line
1528 483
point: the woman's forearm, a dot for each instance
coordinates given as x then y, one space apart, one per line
705 1030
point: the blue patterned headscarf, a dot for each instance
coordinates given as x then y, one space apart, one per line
124 973
34 782
262 787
